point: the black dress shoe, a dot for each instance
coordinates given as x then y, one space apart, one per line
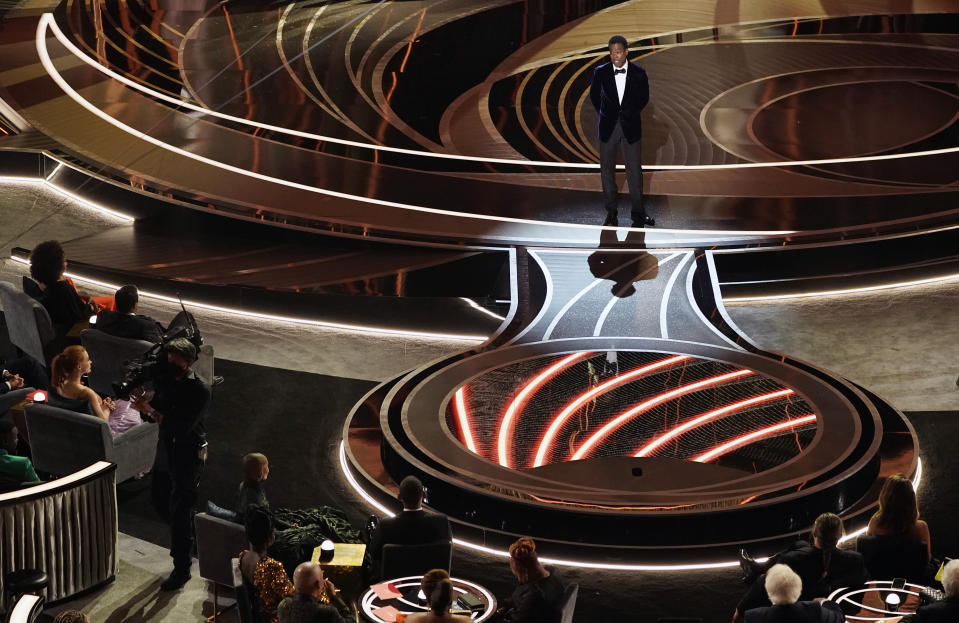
611 220
176 580
748 566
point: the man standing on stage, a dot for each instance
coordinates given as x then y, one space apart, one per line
619 92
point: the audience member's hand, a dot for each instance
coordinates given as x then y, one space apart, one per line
109 404
329 588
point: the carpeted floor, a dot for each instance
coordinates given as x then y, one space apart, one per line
295 418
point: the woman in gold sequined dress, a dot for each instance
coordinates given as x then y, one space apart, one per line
264 576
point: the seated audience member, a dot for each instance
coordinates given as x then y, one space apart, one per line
316 600
60 297
298 531
784 587
898 513
23 372
67 391
71 616
264 576
412 526
539 596
947 610
438 589
256 468
822 566
124 321
14 470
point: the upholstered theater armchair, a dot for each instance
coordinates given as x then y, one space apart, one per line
28 323
64 441
109 355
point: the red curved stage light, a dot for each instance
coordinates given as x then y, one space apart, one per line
508 423
546 442
463 419
646 405
710 416
756 435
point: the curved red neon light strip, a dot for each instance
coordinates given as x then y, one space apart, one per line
463 419
568 410
508 423
756 435
716 414
622 418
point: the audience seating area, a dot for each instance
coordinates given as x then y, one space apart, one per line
81 449
64 441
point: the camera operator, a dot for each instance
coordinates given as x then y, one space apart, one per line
179 404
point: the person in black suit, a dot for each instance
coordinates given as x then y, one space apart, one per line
619 92
126 322
784 588
412 526
23 372
946 610
822 566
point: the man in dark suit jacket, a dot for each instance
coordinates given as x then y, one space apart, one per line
23 372
125 322
947 610
305 605
412 526
784 587
619 92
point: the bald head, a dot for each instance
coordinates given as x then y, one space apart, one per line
307 578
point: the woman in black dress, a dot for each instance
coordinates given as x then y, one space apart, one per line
539 596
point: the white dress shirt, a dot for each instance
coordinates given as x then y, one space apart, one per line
620 81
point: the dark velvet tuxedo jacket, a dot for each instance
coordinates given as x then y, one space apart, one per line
799 612
410 528
132 326
605 100
938 612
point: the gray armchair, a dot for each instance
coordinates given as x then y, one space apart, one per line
218 541
28 323
64 441
109 355
13 397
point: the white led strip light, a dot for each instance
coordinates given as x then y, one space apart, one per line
428 154
291 319
885 286
47 21
344 467
66 193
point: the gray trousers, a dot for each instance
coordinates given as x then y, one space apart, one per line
634 172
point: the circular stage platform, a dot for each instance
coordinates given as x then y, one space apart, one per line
638 449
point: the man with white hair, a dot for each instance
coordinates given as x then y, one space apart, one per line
316 600
784 586
948 608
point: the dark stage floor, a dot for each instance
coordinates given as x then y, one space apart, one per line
300 434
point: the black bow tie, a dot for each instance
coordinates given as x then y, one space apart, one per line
619 71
